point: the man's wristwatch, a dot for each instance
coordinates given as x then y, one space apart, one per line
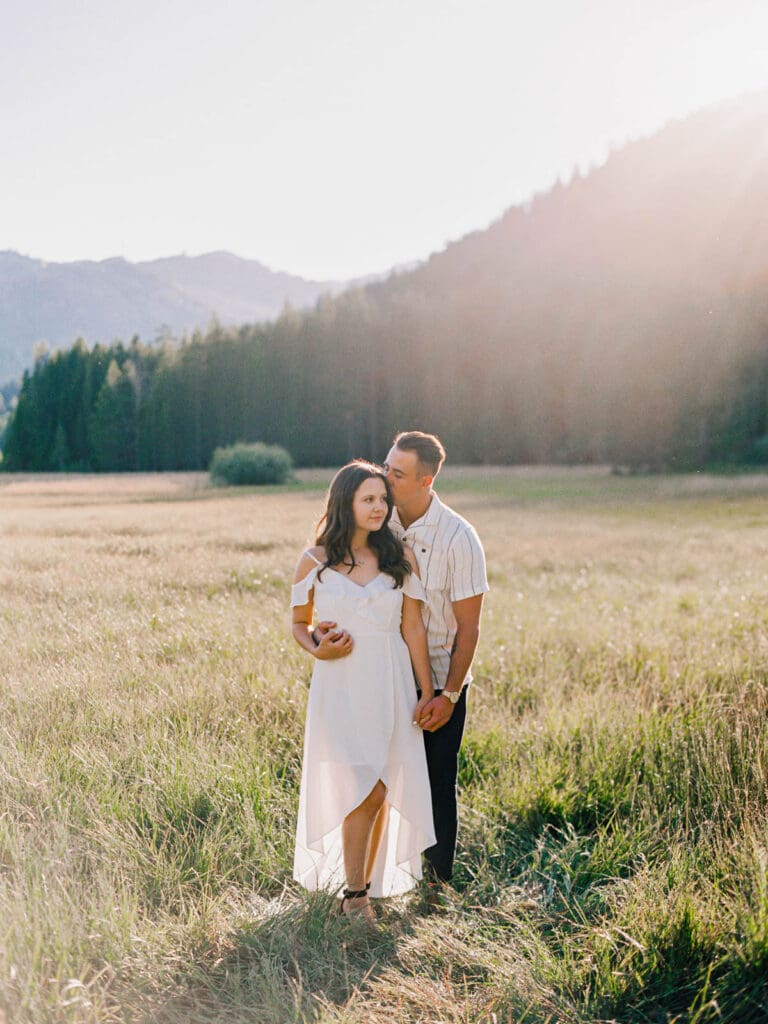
452 695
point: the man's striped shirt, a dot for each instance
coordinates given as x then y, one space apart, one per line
451 564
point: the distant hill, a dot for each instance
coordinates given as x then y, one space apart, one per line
101 301
238 290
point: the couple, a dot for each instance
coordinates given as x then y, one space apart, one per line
396 581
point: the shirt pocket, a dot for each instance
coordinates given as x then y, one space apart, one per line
434 571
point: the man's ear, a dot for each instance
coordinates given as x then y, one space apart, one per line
426 482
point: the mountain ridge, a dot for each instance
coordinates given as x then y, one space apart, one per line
100 300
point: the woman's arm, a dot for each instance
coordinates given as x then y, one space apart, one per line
301 615
334 643
415 636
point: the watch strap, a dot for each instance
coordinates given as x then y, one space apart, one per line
451 695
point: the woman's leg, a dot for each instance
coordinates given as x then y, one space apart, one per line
377 832
356 831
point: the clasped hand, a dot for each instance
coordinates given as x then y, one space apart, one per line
432 713
332 642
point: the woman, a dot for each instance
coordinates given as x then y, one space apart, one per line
365 811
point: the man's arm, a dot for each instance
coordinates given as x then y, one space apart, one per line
467 613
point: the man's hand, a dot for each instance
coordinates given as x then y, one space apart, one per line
332 642
418 711
435 714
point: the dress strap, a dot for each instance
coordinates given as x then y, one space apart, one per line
300 591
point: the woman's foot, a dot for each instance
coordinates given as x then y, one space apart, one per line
356 905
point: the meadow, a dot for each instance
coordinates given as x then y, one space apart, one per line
613 861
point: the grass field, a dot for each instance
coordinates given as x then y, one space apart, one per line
613 863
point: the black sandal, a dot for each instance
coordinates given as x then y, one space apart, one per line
354 894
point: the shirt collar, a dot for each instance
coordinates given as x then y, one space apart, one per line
428 521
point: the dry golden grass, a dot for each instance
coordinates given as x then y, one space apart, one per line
614 841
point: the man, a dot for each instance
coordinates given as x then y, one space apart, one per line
452 569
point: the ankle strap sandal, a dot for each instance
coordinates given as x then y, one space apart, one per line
353 894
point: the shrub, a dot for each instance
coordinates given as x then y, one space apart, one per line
250 464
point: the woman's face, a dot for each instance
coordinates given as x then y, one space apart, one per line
369 505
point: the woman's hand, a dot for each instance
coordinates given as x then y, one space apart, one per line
436 713
418 710
333 643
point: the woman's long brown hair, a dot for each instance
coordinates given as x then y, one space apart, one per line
337 525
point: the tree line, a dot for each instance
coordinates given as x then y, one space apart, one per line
340 381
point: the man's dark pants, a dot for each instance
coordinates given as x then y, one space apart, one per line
442 749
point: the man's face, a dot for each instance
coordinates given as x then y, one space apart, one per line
406 476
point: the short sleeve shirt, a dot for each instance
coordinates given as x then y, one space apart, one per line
451 564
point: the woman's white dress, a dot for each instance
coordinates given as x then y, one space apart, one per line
360 729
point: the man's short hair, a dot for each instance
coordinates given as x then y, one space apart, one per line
428 448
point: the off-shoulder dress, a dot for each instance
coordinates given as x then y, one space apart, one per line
359 729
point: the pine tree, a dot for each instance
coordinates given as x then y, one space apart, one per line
114 420
60 457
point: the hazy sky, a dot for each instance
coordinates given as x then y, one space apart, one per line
331 137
